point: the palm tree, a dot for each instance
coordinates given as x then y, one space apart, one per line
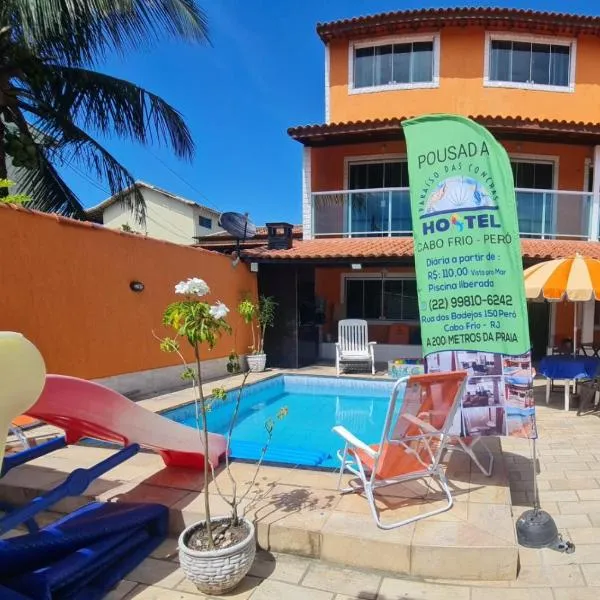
53 101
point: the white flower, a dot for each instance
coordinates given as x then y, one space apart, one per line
181 288
194 286
218 310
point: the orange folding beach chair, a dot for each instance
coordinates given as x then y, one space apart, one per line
467 445
412 444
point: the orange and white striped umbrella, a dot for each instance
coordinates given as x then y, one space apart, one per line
576 279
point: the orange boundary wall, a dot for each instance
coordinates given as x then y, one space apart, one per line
65 286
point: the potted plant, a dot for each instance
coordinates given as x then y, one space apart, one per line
216 552
258 316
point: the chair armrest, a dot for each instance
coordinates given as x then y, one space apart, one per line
337 345
372 343
421 424
354 441
416 438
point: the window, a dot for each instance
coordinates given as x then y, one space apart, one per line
396 64
205 222
378 174
536 63
535 210
535 175
380 213
589 176
378 298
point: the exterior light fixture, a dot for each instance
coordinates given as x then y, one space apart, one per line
254 267
136 286
356 266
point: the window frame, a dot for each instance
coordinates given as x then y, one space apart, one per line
206 218
385 41
531 39
369 159
554 160
539 158
588 180
588 176
382 277
349 161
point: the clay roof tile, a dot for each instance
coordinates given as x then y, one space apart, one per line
402 247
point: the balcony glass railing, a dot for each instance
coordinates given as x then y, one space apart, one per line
385 212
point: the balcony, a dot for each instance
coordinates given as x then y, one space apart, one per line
385 212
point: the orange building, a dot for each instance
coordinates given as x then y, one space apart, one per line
531 78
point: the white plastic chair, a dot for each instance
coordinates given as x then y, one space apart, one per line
353 344
412 444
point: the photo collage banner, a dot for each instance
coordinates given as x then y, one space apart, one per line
469 272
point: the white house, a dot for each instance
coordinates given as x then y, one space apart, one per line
168 216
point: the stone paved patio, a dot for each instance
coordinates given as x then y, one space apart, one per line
569 481
301 512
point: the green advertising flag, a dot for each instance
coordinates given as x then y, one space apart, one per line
469 269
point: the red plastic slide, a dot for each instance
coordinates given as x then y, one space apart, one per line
86 409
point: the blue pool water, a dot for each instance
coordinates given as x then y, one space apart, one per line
304 436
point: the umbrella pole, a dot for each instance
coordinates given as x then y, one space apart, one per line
574 329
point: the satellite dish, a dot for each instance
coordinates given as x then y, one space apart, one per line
238 225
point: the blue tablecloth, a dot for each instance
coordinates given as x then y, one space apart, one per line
569 367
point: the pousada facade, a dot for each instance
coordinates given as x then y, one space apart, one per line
531 78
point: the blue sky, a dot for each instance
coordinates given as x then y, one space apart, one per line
262 74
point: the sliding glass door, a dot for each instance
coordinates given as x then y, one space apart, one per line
378 213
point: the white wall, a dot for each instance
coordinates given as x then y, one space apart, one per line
201 231
12 175
383 352
166 218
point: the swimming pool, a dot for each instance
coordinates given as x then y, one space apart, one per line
315 405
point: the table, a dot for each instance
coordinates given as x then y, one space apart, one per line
569 369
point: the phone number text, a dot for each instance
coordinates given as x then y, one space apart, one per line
470 301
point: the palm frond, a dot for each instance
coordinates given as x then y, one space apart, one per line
44 186
48 192
43 46
84 31
112 106
72 145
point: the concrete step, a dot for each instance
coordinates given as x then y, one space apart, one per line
301 512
